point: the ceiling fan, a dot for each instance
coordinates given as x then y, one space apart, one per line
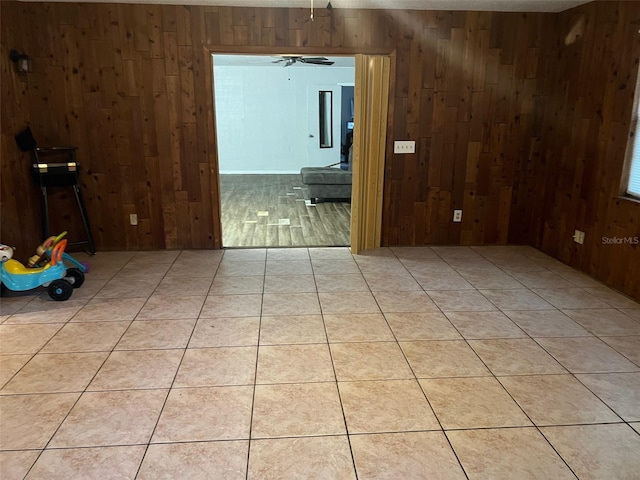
291 59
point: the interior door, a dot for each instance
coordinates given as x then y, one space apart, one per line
323 141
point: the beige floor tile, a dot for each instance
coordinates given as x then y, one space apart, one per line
598 451
289 267
325 266
159 257
386 406
195 461
628 346
377 267
44 310
635 426
399 302
443 358
29 421
86 337
225 332
128 370
546 323
414 252
297 410
109 310
410 455
446 280
177 286
482 325
55 373
88 463
10 365
586 355
515 356
232 268
315 457
357 327
111 418
330 253
570 298
290 304
631 312
478 402
612 297
605 322
287 254
369 361
507 453
421 326
557 400
232 306
620 391
128 288
289 283
14 465
489 279
542 279
516 299
391 283
422 269
341 283
14 301
22 339
237 285
577 278
460 300
348 302
162 307
150 334
193 269
206 413
205 367
294 364
292 329
245 254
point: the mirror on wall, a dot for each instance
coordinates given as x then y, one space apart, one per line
326 119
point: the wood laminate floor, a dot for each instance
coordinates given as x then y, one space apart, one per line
274 211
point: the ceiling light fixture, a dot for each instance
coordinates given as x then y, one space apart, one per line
329 6
311 16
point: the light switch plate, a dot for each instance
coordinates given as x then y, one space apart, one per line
404 146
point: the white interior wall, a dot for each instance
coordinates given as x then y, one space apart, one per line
262 115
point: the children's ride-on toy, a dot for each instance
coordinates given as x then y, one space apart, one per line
59 280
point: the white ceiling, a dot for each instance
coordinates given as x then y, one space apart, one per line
268 61
472 5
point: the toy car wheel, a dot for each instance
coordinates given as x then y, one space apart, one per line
75 277
60 290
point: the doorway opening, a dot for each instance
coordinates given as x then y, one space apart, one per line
275 118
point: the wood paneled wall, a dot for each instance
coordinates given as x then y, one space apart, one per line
524 133
129 85
574 182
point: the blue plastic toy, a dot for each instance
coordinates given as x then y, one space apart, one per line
59 280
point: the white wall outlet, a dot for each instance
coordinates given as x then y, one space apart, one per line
133 219
457 215
405 146
578 237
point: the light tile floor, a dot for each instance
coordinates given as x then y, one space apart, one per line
401 363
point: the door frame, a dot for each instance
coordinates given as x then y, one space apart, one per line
212 140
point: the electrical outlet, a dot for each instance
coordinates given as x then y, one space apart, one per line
133 219
578 237
457 215
406 146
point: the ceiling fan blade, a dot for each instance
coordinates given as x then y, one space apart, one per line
319 62
314 59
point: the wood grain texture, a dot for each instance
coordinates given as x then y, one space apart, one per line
573 177
521 131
